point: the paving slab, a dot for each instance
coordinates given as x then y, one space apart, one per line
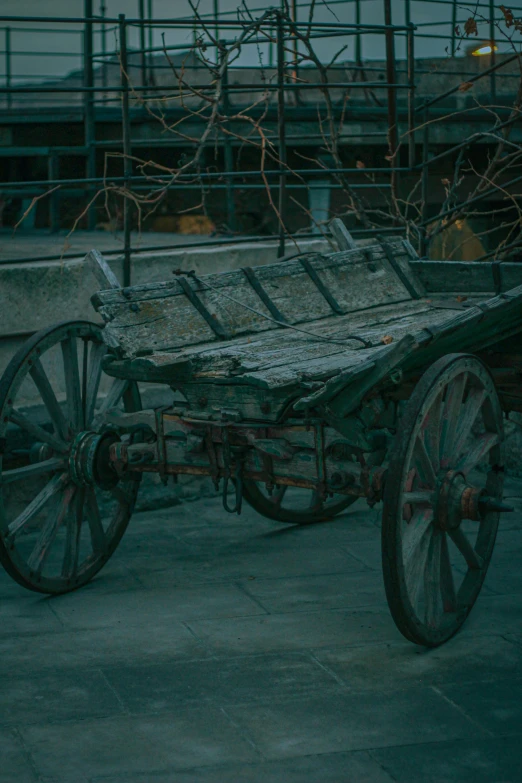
495 703
357 767
496 760
15 766
58 695
346 721
466 659
137 744
246 679
165 606
296 631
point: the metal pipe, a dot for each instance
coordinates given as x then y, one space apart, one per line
8 65
492 76
89 110
393 135
281 132
411 95
358 41
53 163
151 40
424 183
227 149
103 11
143 55
453 27
127 151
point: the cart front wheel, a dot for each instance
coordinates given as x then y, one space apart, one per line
63 509
442 499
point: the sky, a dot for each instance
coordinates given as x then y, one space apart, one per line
49 51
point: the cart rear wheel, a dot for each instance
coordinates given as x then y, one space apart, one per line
442 499
63 510
294 505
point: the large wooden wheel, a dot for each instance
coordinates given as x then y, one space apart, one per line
63 509
294 505
442 499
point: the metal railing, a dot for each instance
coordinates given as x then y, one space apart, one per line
389 99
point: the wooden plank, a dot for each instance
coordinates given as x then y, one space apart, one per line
342 236
466 277
101 270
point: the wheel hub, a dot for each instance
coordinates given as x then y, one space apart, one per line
458 500
89 459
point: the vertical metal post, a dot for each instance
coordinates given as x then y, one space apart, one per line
88 103
215 8
424 182
358 41
393 135
407 12
151 40
295 47
281 131
53 172
411 93
127 162
8 65
453 27
492 76
227 148
103 11
143 56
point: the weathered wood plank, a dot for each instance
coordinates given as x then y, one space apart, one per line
466 277
101 270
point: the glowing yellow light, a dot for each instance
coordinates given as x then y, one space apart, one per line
485 50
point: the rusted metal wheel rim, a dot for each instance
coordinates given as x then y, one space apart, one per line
282 506
444 481
56 539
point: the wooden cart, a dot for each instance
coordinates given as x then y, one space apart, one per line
300 387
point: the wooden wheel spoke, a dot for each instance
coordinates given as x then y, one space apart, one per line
72 538
450 416
93 381
447 584
277 497
92 511
468 416
48 396
423 463
432 581
114 395
49 530
431 428
472 558
72 382
42 498
477 451
415 566
414 533
29 471
38 433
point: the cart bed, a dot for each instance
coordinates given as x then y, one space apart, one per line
199 331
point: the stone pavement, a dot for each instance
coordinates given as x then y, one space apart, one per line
224 649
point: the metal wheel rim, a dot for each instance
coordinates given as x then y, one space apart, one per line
416 552
72 500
